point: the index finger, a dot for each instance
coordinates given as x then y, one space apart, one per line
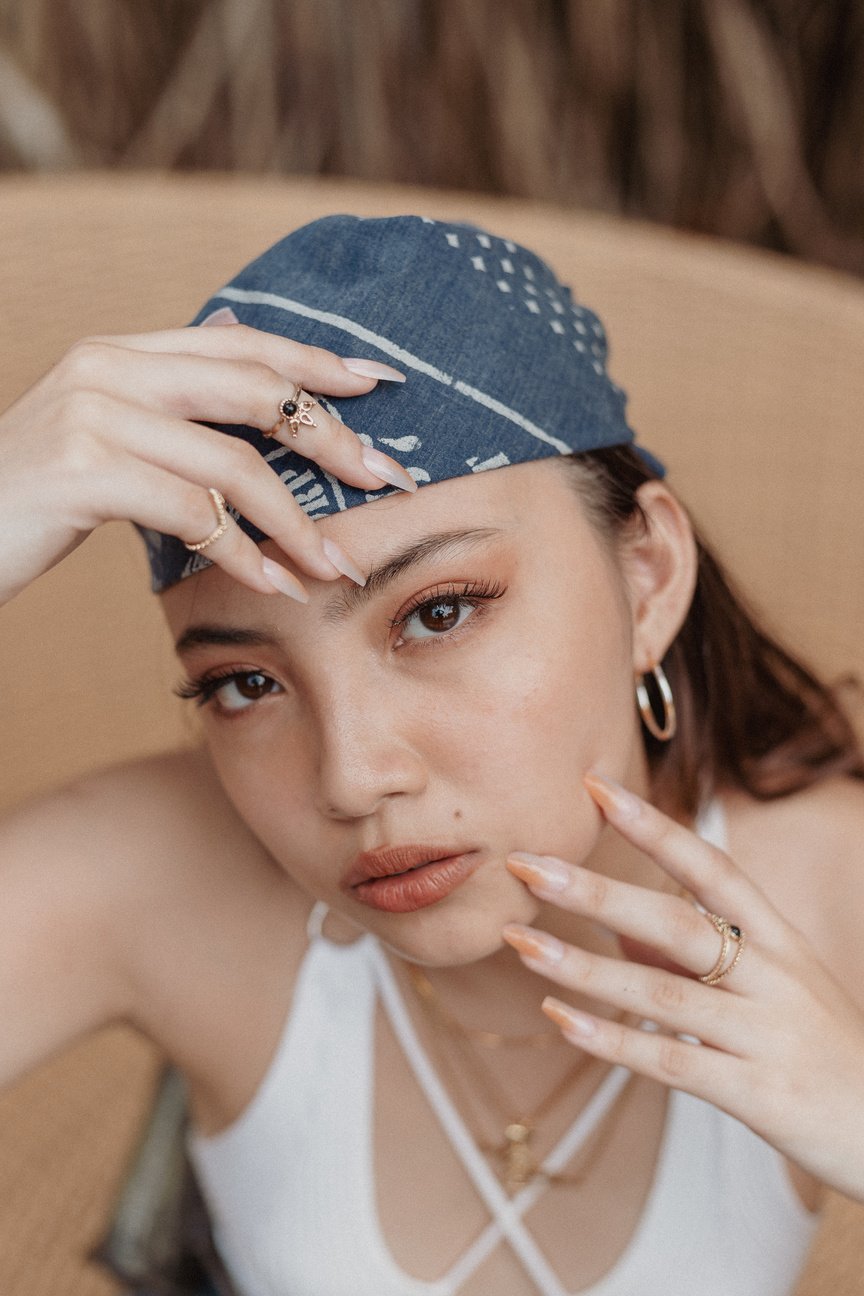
311 366
705 870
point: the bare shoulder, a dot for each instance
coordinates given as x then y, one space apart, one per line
192 907
806 851
139 824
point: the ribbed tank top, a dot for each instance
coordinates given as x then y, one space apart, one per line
290 1183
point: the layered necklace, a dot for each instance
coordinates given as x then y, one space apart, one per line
511 1153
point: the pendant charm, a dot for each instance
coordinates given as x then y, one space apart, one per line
519 1165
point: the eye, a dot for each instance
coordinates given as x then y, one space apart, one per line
238 692
437 612
437 616
234 691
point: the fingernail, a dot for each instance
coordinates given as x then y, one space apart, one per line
372 369
342 562
388 470
224 315
540 947
570 1021
540 871
283 581
612 796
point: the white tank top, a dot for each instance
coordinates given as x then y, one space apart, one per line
290 1183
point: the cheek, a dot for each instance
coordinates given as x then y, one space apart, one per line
266 782
564 695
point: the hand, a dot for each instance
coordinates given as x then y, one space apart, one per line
782 1045
114 430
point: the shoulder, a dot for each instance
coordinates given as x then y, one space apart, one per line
185 891
806 852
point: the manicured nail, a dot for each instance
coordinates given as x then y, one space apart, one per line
612 796
283 581
570 1021
372 369
537 947
342 562
542 872
224 315
388 470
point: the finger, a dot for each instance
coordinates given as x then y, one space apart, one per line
693 1067
131 437
230 391
314 367
668 924
708 873
316 434
168 504
672 1001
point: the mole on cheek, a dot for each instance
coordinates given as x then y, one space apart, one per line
457 814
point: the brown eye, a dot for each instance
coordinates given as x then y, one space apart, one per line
238 691
252 686
441 614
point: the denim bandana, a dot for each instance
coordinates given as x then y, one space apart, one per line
502 365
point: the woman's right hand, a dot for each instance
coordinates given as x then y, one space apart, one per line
113 432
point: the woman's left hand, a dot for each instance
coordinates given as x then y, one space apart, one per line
781 1045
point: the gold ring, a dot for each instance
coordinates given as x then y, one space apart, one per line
294 411
222 524
728 932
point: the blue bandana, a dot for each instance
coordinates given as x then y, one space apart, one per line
502 365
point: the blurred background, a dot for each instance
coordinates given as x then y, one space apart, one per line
741 118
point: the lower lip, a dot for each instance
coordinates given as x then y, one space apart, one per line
419 887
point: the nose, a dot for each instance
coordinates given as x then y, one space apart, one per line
365 758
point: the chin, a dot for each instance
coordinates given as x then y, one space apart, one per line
456 937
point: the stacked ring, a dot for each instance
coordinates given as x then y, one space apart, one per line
221 525
728 933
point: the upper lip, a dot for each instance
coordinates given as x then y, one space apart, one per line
387 860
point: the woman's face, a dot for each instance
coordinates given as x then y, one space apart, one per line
452 705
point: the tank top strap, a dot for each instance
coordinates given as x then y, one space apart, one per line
315 922
507 1213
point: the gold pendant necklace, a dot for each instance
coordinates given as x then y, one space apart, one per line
512 1154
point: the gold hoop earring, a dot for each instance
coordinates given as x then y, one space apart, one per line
661 730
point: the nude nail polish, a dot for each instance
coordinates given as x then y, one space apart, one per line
570 1021
224 315
541 871
388 470
612 796
539 947
372 369
283 581
342 562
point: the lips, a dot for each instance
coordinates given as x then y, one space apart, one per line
400 879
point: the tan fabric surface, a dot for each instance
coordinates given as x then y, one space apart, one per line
745 373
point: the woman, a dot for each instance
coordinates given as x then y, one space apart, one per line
414 762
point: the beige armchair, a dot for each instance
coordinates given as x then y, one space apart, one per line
746 376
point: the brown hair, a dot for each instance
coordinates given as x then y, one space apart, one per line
750 714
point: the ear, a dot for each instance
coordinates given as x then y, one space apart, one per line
659 563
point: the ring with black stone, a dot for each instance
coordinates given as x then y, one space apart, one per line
728 932
294 410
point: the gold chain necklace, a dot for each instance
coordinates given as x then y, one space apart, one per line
514 1159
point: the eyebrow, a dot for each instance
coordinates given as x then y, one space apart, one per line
440 544
346 601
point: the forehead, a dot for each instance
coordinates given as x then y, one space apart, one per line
532 505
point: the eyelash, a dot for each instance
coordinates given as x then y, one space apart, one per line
473 593
203 689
